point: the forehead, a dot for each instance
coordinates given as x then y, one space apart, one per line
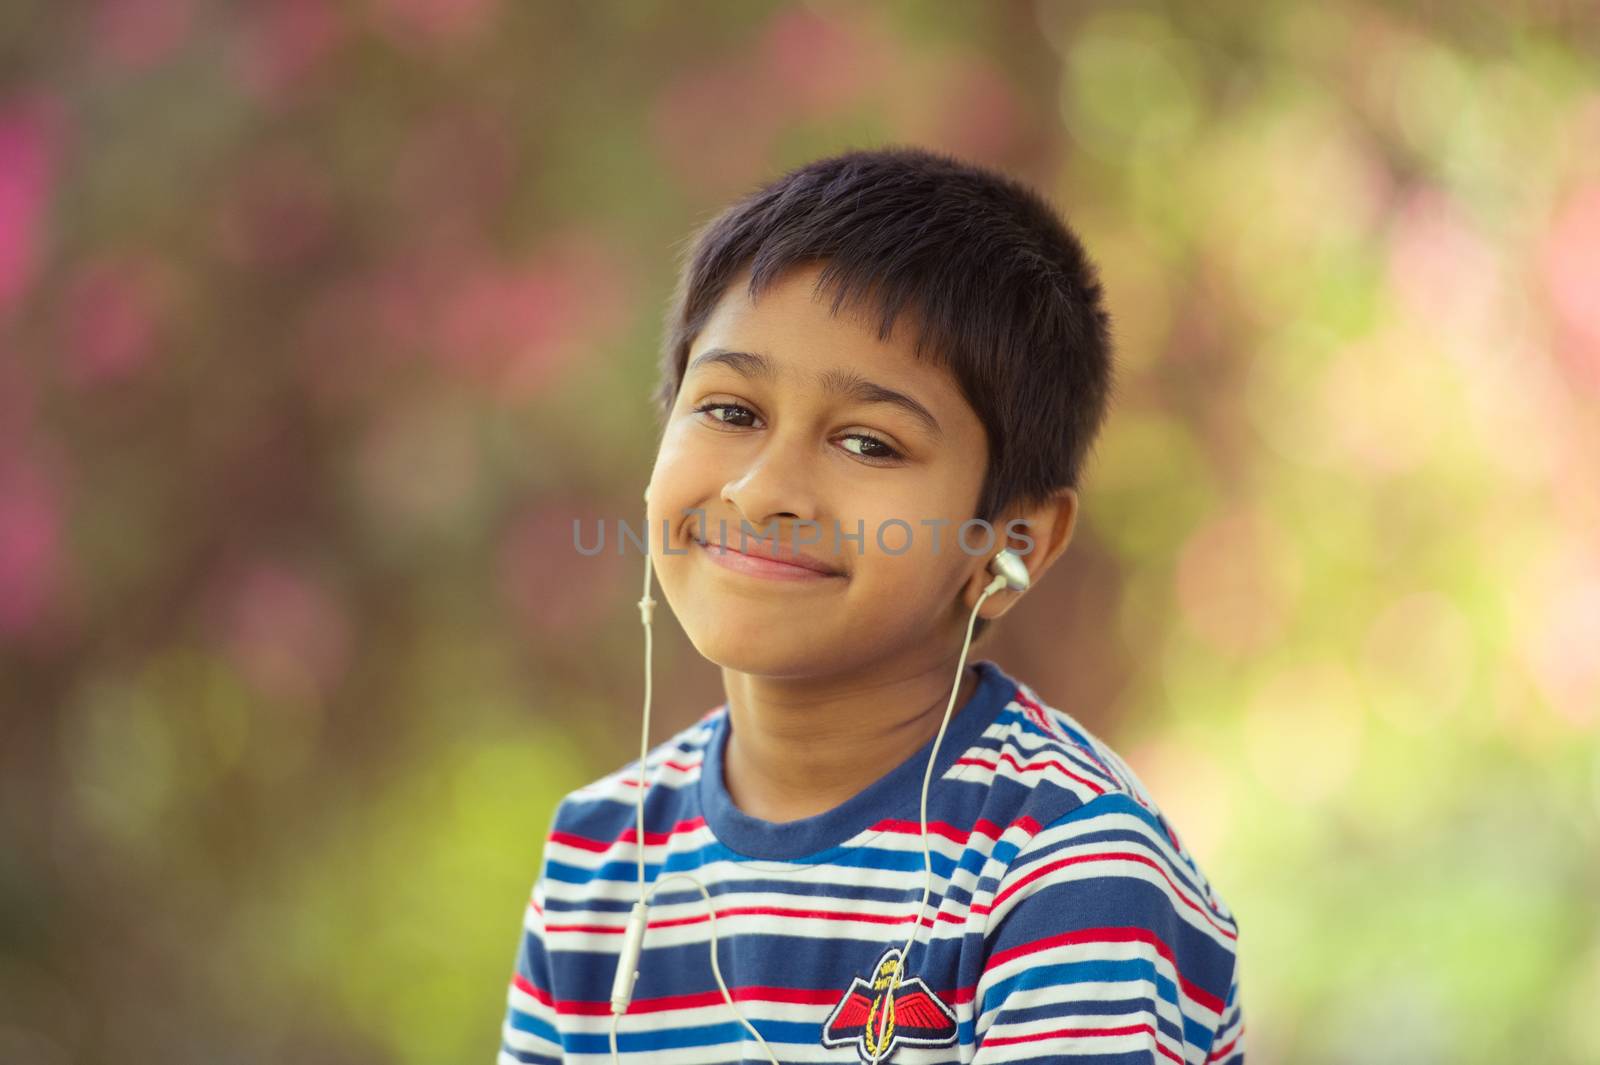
792 307
805 346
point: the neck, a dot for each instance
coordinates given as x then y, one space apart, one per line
798 748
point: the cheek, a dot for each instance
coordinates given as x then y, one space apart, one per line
904 523
672 461
907 569
896 600
670 529
678 481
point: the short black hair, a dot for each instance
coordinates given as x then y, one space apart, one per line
1002 292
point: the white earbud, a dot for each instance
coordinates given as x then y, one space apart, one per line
1007 566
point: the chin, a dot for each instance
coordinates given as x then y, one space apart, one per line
760 653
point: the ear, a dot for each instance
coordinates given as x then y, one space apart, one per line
1038 535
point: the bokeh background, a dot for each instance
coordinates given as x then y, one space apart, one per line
321 322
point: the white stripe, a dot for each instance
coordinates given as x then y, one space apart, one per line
1137 987
1156 847
1103 868
1031 778
1050 1049
1017 732
517 1039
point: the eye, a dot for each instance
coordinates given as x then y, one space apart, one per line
871 448
876 449
706 408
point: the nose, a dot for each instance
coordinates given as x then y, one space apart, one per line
777 483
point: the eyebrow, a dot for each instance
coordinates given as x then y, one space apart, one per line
846 383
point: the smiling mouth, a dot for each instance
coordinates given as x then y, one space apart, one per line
765 566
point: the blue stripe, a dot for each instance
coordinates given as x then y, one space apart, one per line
695 1035
527 1022
622 870
1057 981
1116 803
1016 720
800 891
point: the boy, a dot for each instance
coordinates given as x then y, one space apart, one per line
1065 921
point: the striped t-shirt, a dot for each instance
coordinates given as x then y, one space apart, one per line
1067 920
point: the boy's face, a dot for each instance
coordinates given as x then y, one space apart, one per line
781 451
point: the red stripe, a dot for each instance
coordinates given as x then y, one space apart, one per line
1221 1054
1043 763
682 767
983 827
1035 713
1051 727
629 834
1111 935
540 995
977 908
1109 856
1132 1029
794 995
567 839
759 911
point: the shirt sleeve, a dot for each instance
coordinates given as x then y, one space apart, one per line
1227 1046
530 1034
1103 946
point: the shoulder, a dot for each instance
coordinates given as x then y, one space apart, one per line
601 814
671 764
1054 778
1099 890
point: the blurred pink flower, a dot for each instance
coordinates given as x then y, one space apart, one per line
1565 665
277 213
30 544
18 404
398 300
452 177
980 114
356 334
283 44
1570 261
816 62
30 131
714 125
512 327
285 631
431 22
507 327
1557 628
1444 271
137 34
1233 587
112 310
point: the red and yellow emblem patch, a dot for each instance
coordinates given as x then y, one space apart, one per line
884 1012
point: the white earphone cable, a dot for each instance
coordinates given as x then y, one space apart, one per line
927 855
633 940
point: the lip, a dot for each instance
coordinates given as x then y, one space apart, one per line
760 561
